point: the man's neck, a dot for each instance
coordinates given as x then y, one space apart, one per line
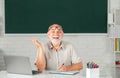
56 46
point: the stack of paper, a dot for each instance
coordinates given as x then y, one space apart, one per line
64 73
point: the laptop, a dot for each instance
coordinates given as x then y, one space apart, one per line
19 65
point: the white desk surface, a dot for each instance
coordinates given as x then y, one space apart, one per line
4 74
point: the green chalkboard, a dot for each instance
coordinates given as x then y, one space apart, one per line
75 16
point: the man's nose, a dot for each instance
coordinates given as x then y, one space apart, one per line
56 31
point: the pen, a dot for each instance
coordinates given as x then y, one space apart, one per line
60 66
92 65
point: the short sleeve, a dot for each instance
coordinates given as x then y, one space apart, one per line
74 56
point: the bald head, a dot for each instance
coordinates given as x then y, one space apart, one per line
57 26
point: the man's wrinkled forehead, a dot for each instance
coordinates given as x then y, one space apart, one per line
55 26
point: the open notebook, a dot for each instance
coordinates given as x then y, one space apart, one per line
64 73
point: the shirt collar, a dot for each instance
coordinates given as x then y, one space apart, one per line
51 46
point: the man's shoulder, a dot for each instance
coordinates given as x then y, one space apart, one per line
46 44
66 43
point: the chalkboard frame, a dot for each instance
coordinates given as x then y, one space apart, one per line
86 16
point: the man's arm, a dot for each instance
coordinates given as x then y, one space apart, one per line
76 62
40 61
77 66
73 67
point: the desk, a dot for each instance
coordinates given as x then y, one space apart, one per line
4 74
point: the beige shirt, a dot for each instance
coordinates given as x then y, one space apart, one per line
66 55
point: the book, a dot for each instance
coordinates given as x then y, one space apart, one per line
116 44
119 45
64 73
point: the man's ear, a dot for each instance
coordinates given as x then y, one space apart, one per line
48 33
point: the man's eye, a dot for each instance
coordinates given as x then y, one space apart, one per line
59 32
53 31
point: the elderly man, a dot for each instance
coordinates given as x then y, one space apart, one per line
56 54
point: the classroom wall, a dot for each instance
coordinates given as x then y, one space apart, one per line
1 5
1 17
113 4
90 47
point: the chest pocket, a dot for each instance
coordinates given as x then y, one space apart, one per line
67 59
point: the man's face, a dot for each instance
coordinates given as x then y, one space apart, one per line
55 34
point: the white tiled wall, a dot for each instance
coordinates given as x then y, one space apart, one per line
1 5
114 4
1 18
90 47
